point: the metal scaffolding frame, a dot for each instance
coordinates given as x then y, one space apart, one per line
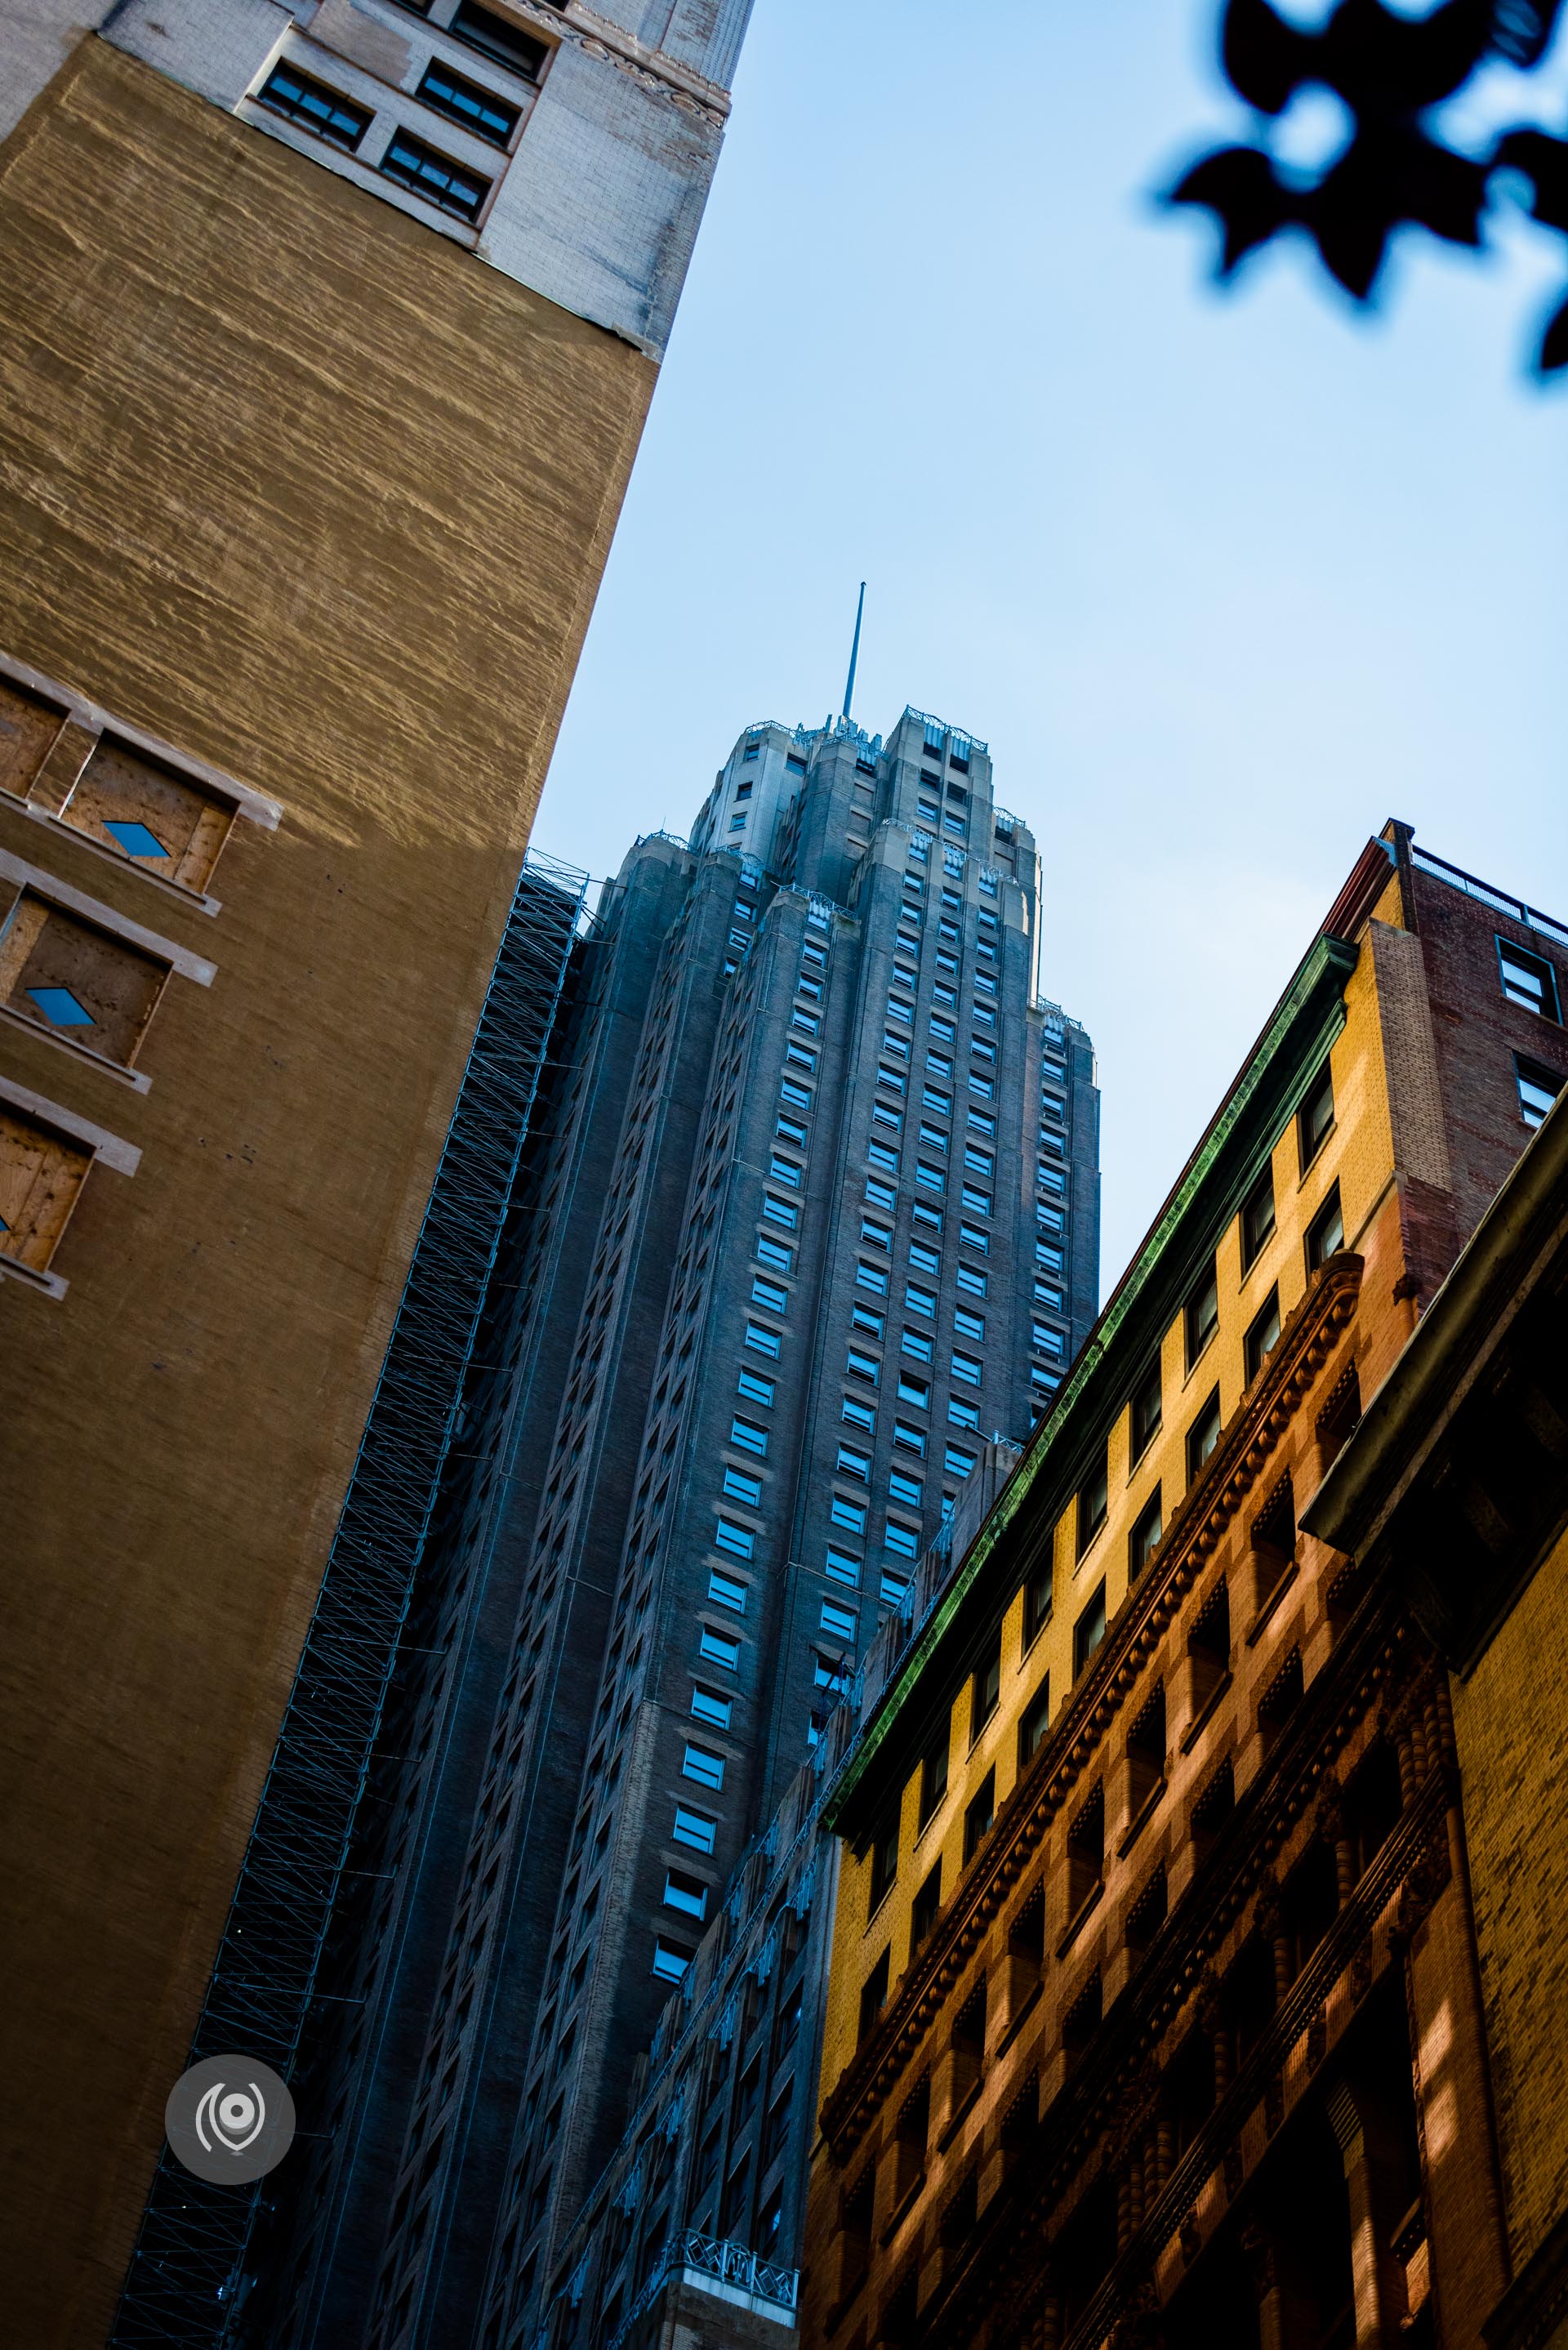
187 2280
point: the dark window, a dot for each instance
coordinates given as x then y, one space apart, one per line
1089 1630
1262 1335
1036 1722
314 107
1273 1538
1147 1410
1092 1506
1538 1089
482 113
509 45
1203 1437
1325 1234
1209 1646
1280 1700
1258 1216
1037 1593
1144 1540
934 1774
1086 1852
1145 1754
884 1862
449 186
1314 1119
985 1690
928 1902
1527 979
1148 1913
1202 1316
1212 1809
873 1995
978 1817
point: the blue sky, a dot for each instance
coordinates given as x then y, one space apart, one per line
1223 580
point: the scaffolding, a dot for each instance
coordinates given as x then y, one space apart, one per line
187 2282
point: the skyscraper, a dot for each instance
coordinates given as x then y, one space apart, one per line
331 327
811 1217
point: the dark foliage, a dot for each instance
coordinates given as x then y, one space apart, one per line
1396 171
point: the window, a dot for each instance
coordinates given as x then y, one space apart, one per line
894 1589
968 1368
799 1096
908 1438
881 1195
724 1589
507 44
488 115
859 1415
796 1057
740 1487
41 1174
849 1515
963 1415
718 1649
977 1202
1527 979
766 1342
694 1828
957 1462
919 1301
709 1705
1144 1540
842 1567
933 1137
769 1294
1201 1316
450 187
925 1909
1262 1335
971 1325
933 1179
903 1541
790 1129
1037 1601
706 1768
851 1463
781 1212
934 1774
863 1367
756 1389
1257 1217
747 1435
1325 1233
1093 1503
683 1892
880 1156
314 106
1203 1437
1538 1089
864 1319
775 1252
985 1689
739 1541
1035 1721
841 1621
1314 1119
873 1277
979 1816
971 1280
914 1390
873 1996
884 1862
669 1964
923 1258
905 1489
972 1237
1089 1630
77 981
874 1235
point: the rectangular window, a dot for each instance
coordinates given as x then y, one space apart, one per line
864 1319
884 1862
710 1705
756 1390
933 1139
725 1590
891 1078
1037 1601
977 1202
482 111
739 1541
894 1588
842 1567
1036 1722
849 1515
1048 1341
979 1816
1325 1233
881 1195
314 106
920 1301
785 1171
967 1367
1147 1410
873 1277
669 1964
750 1438
1093 1502
913 1390
1538 1089
905 1488
908 1438
790 1129
807 1022
972 1237
884 1114
873 1997
1529 979
934 1179
934 1774
854 1464
874 1235
717 1649
1201 1316
880 1156
765 1342
775 1253
913 1343
864 1367
903 1541
796 1057
1258 1216
841 1621
1144 1540
858 1415
683 1892
1203 1437
798 1097
706 1768
985 1689
1089 1630
1262 1335
827 1672
971 1325
498 37
781 1212
936 1101
925 1909
923 1258
694 1828
42 1171
740 1487
1314 1119
963 1415
449 186
971 1280
957 1462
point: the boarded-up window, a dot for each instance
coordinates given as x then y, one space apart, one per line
160 820
41 1173
27 728
75 981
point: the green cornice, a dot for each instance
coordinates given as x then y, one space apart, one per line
1308 1018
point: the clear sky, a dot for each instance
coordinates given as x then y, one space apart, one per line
1223 580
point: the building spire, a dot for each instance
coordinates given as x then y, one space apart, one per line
855 652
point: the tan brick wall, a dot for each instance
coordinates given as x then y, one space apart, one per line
314 495
1513 1734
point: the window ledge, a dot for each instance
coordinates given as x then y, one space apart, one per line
49 1283
1140 1818
63 1043
1267 1607
1084 1910
1222 1689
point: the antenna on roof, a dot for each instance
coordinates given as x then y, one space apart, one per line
855 652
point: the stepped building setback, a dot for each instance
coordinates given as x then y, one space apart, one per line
808 1217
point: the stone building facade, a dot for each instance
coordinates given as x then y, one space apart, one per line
814 1216
1154 2015
331 327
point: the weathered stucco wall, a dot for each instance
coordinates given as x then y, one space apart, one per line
317 497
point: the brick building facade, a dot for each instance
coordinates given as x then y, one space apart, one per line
1154 2012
